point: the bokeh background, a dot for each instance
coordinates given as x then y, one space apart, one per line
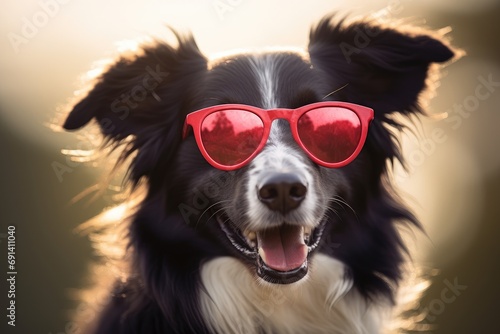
453 182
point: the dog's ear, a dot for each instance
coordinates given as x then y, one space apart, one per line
141 98
381 67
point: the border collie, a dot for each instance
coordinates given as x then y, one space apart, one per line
267 206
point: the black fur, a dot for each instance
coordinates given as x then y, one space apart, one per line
171 235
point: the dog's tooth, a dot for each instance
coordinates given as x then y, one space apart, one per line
306 233
251 235
262 254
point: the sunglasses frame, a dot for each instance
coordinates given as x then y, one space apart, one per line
267 116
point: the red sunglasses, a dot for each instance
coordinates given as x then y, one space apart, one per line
230 135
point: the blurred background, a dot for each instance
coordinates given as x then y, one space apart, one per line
453 179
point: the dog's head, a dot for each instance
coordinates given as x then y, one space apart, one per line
274 211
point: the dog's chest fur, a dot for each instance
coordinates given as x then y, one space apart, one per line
234 301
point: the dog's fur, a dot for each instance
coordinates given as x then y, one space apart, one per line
185 275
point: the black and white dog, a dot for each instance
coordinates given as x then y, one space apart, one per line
267 205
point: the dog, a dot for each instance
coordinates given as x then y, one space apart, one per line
267 207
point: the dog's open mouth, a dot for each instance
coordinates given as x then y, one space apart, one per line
279 253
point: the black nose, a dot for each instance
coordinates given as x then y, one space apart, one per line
282 192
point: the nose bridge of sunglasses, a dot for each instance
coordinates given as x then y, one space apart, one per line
280 113
279 117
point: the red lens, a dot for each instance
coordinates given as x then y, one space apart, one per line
231 136
331 134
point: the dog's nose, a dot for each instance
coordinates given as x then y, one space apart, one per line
282 192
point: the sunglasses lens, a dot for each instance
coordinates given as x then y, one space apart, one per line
331 134
231 136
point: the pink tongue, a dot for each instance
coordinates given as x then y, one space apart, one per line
282 248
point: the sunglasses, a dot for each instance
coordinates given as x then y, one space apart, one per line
229 136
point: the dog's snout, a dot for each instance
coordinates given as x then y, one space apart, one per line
282 192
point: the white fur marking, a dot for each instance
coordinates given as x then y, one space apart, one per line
235 301
264 69
277 157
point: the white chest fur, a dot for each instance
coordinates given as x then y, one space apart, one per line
235 301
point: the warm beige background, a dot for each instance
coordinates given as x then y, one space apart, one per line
454 180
